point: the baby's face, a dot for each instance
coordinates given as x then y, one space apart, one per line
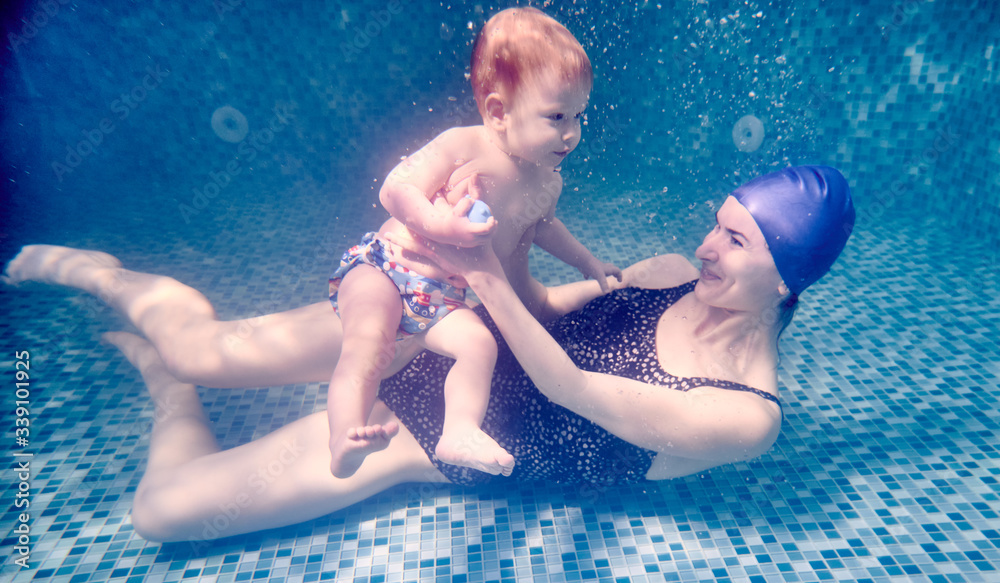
544 120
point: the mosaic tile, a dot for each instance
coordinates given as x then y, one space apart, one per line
887 467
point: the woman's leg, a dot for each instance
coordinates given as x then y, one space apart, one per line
192 491
300 345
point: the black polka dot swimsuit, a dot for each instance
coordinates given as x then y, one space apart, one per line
614 334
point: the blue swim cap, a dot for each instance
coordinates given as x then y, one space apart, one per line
806 215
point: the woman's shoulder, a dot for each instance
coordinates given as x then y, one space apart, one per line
659 272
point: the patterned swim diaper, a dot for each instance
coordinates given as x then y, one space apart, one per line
425 300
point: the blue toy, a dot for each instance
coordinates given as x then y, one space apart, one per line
480 212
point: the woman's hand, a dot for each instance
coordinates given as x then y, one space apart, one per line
461 261
424 213
456 228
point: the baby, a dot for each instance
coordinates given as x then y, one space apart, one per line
531 80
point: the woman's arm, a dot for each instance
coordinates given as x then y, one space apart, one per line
563 299
658 272
703 424
409 188
706 423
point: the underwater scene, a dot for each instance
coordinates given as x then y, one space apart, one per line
239 147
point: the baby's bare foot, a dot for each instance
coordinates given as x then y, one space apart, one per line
77 268
474 449
350 451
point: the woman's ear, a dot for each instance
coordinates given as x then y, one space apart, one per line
495 112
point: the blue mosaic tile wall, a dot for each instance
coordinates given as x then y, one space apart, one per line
897 93
887 466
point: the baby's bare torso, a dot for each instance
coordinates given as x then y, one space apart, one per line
519 194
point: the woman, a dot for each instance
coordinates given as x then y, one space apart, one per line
609 415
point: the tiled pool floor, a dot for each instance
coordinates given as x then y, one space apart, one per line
886 470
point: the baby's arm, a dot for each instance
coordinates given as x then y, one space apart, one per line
553 236
412 185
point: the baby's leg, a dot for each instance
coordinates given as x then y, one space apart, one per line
461 335
370 309
289 347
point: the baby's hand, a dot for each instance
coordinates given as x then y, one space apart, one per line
597 269
457 229
460 227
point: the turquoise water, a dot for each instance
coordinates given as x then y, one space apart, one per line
887 466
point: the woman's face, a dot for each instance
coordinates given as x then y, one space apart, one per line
738 272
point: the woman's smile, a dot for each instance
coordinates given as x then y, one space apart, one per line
708 275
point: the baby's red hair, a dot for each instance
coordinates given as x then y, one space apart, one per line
519 45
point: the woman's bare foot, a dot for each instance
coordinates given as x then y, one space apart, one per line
92 271
350 451
474 449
